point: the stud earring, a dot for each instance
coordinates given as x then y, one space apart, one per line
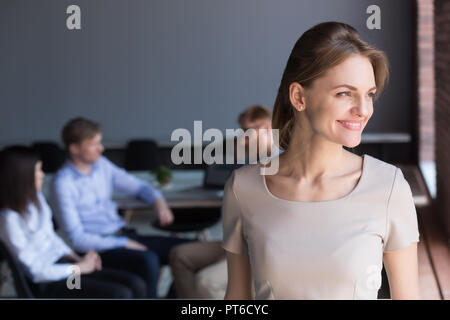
301 107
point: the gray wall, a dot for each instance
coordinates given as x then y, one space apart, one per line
145 68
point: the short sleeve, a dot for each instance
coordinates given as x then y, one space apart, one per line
233 235
401 225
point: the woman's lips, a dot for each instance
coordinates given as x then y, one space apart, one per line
351 125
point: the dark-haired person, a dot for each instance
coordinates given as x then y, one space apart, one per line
322 226
26 229
81 195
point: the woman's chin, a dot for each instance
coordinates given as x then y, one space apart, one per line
352 143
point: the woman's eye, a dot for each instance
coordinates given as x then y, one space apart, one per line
372 95
340 94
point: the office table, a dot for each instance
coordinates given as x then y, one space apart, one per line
184 191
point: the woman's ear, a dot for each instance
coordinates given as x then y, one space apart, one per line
296 96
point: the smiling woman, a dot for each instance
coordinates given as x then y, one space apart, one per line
329 64
324 224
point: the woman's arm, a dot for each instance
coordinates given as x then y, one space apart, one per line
403 273
29 251
239 285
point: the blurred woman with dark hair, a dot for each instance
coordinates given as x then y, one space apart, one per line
26 229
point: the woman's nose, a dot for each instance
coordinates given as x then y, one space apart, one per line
362 107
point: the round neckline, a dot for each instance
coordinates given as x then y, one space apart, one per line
348 195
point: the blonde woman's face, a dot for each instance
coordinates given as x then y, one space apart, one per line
339 104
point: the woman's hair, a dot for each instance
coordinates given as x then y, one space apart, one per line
17 178
318 49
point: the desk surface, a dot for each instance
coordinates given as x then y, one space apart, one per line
186 190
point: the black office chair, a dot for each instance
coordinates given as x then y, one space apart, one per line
384 292
51 154
23 286
142 155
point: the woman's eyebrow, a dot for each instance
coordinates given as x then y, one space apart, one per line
350 87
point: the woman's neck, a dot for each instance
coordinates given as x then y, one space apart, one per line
312 157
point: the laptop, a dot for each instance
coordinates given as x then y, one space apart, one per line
216 175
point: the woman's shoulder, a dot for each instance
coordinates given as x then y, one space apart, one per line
390 173
246 177
247 172
247 169
379 174
10 214
9 217
380 167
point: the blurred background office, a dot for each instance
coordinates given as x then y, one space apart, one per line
145 68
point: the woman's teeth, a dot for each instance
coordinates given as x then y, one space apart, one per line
351 125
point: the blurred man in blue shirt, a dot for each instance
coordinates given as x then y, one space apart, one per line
81 195
200 268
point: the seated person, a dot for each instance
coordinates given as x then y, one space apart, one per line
200 268
81 194
256 119
26 229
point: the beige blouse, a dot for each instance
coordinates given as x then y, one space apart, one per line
323 249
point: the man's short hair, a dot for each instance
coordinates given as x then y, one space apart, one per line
253 113
79 129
